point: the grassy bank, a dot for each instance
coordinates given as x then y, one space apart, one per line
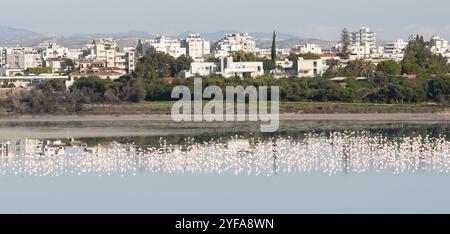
163 108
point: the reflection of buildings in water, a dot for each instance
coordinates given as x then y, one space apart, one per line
330 154
238 145
31 147
53 148
108 148
17 147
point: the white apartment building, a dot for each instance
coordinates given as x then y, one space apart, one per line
309 48
58 65
364 36
165 45
106 49
439 45
51 49
226 68
2 57
310 67
327 57
130 59
395 47
229 68
103 49
284 64
234 42
22 58
360 51
125 60
196 47
267 52
202 69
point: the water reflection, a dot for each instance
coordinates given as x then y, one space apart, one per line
330 153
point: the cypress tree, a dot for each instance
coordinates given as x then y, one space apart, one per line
139 49
274 49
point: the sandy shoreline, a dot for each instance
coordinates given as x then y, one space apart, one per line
283 117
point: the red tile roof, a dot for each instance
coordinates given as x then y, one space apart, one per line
328 55
409 76
57 59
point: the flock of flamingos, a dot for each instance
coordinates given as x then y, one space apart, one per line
330 153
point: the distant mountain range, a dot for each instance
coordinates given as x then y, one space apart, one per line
16 36
7 33
214 36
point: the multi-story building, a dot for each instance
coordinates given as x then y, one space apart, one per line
360 51
196 47
22 58
234 42
284 64
439 45
90 63
364 36
395 47
165 45
106 49
202 69
51 49
2 57
327 58
226 68
125 60
229 68
130 59
309 67
308 48
58 65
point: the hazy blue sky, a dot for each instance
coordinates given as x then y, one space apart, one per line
309 18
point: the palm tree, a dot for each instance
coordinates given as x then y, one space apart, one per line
367 69
333 64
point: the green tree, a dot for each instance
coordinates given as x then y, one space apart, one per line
39 70
212 60
267 64
274 49
333 64
70 64
346 42
309 56
154 65
439 89
417 52
389 67
437 64
136 91
242 56
411 68
360 67
139 49
180 64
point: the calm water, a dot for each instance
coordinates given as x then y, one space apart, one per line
335 167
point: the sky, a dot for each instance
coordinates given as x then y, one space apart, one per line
323 19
